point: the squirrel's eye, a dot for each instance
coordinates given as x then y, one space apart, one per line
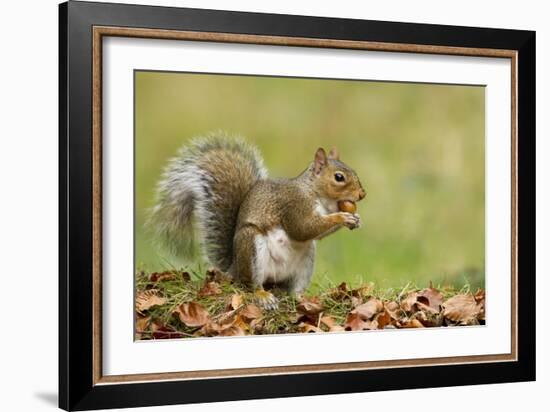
339 177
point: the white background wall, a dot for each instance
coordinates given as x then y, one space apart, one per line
28 202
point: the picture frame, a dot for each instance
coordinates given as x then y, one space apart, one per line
84 26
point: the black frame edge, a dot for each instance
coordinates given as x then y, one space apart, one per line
63 378
76 389
526 123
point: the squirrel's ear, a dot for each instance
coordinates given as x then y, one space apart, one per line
333 154
320 160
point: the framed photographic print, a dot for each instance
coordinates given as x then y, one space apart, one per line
256 205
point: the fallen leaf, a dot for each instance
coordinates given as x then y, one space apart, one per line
462 309
331 324
339 292
241 323
355 301
393 309
142 323
479 296
369 309
383 318
192 314
480 300
328 321
161 331
310 307
307 328
413 323
408 304
162 276
251 312
354 321
232 331
210 329
214 274
432 321
210 289
147 299
220 327
430 297
236 301
257 324
363 291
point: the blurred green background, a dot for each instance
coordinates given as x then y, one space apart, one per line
417 148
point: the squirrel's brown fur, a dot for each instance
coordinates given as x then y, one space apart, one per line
260 230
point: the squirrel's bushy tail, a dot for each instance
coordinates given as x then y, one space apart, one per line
204 186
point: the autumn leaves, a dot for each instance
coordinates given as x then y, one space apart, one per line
172 304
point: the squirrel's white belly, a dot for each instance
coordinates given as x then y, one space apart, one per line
278 257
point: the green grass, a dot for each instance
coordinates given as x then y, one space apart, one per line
335 301
418 149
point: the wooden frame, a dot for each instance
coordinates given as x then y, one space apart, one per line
82 27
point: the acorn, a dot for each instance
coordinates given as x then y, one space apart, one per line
347 206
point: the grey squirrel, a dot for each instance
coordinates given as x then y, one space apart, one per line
259 230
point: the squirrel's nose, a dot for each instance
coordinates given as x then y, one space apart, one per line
362 194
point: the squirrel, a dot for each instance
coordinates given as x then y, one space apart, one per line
260 231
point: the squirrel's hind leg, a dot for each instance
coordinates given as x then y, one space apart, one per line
244 267
302 272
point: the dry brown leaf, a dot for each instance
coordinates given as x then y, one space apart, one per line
383 318
430 297
479 296
328 321
462 309
369 309
363 291
372 324
480 299
331 324
232 331
214 274
192 314
257 324
211 329
251 312
210 289
147 299
142 323
307 328
422 307
310 307
236 301
339 292
392 308
408 304
241 323
412 323
161 331
162 276
432 321
355 301
230 326
354 321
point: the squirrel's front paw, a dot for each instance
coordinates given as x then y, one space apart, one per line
266 300
351 220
